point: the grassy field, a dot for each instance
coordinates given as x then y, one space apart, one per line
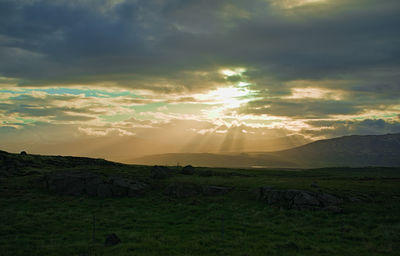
34 222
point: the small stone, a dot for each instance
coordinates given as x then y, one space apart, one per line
112 240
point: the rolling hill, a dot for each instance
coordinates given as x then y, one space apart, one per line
352 151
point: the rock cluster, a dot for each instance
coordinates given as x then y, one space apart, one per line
80 183
298 199
183 190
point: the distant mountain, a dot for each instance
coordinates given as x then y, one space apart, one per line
352 151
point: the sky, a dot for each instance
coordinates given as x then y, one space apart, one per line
119 79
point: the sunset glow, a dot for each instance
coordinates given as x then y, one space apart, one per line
123 79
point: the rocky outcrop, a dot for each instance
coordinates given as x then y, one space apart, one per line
160 172
183 190
80 183
298 199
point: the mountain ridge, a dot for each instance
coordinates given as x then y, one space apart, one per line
351 151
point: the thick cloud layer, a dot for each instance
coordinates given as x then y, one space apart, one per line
86 40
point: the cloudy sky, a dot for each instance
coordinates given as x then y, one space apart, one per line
124 78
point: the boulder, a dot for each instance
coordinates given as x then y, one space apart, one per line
160 172
188 170
296 199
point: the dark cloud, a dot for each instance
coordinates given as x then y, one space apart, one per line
28 106
77 42
364 127
304 108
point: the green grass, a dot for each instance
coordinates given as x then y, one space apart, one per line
34 222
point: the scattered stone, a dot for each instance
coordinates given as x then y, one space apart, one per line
160 172
296 199
188 170
112 240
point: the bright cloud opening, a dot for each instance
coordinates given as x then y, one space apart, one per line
315 93
297 3
233 72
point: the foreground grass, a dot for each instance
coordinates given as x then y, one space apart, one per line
33 222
